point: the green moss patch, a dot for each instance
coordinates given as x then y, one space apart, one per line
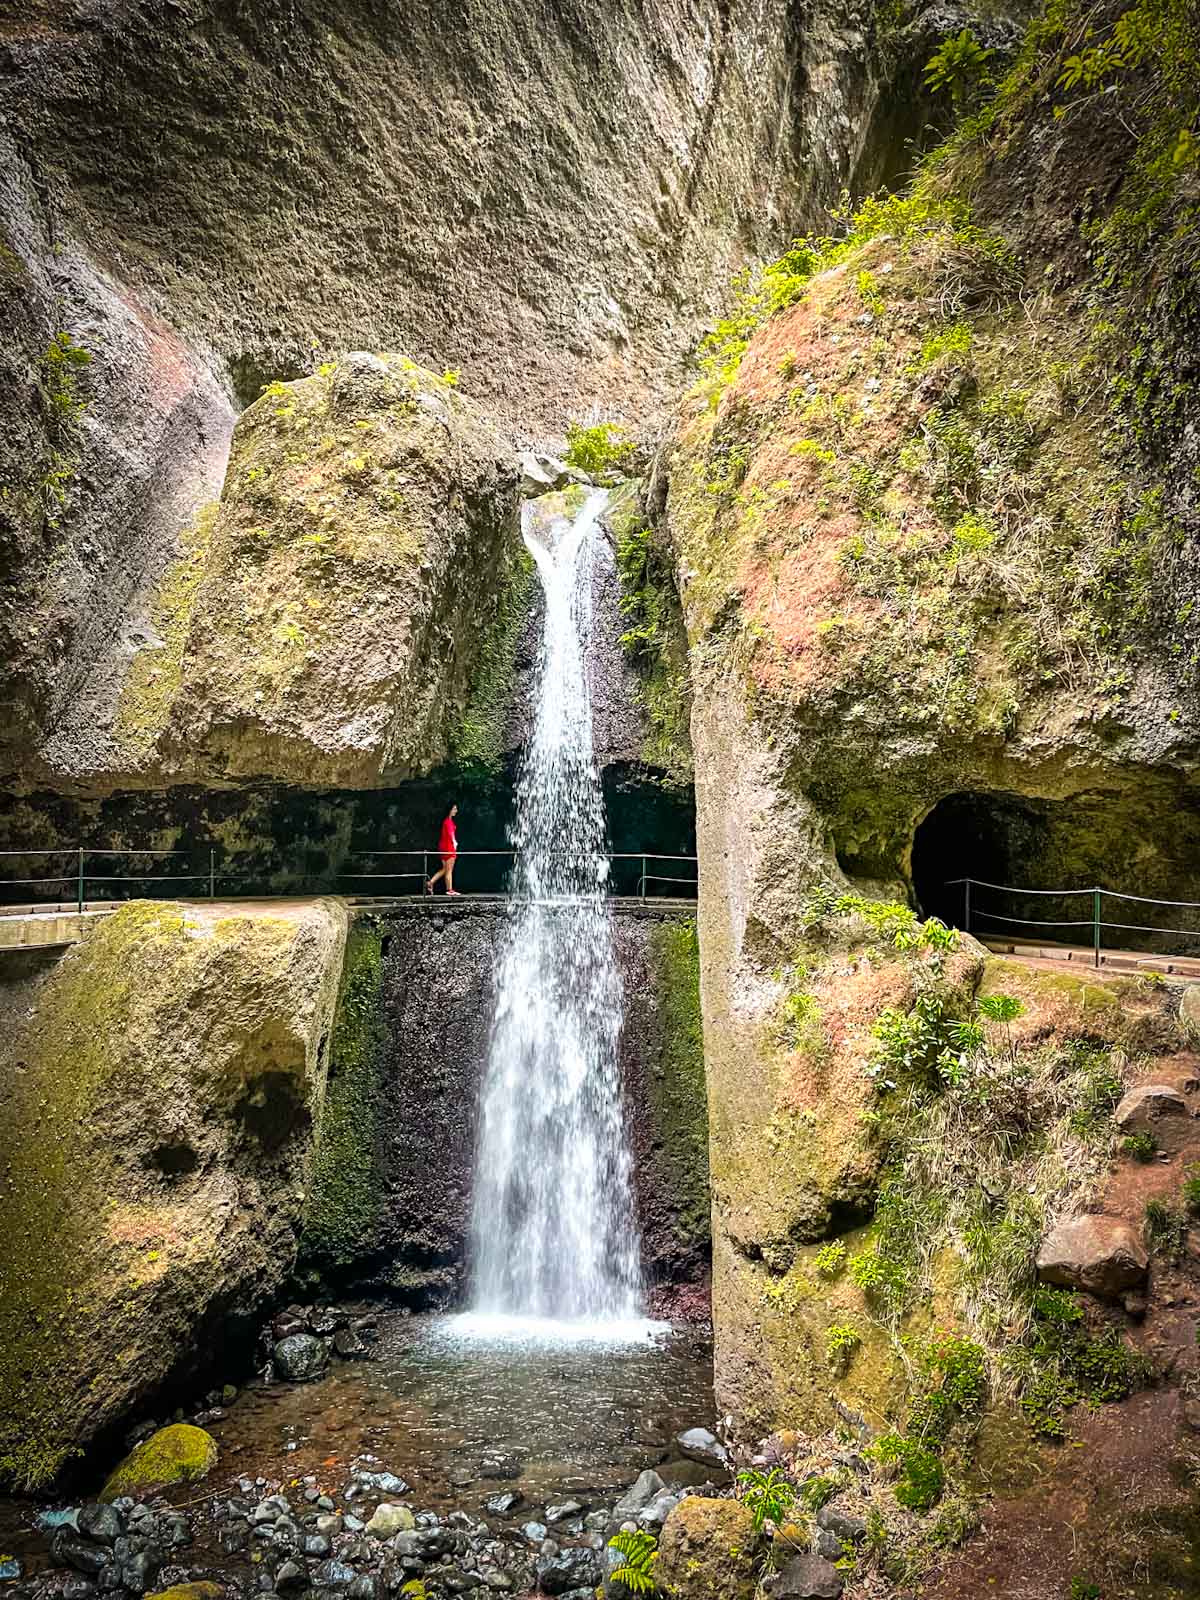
344 1193
677 1089
178 1454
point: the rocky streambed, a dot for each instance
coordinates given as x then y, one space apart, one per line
397 1450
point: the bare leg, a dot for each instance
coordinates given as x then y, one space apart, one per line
449 870
440 873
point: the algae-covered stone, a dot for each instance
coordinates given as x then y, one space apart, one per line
178 1454
707 1551
158 1088
364 535
190 1591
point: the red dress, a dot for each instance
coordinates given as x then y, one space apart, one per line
448 842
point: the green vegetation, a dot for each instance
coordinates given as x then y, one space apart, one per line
61 365
841 1341
640 1552
604 451
678 1091
1064 1363
1139 1146
959 67
951 1388
478 741
343 1197
830 1259
894 924
767 1495
1165 1229
655 640
1190 1193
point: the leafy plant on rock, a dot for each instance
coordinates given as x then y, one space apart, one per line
958 66
768 1495
640 1552
604 451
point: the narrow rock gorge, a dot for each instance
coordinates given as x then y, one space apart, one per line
718 478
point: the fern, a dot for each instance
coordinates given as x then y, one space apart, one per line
640 1550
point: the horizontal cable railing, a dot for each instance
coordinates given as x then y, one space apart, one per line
631 872
974 915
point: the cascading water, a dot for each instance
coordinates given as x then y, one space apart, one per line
554 1235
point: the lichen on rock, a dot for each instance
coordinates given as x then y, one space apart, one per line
160 1085
325 625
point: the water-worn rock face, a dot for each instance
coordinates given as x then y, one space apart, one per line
550 198
159 1084
930 546
324 619
391 1197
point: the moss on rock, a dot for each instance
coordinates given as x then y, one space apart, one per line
326 623
344 1195
158 1090
677 1089
707 1551
178 1454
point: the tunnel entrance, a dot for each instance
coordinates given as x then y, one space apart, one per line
1000 838
1141 847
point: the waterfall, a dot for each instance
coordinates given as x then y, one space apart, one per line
554 1234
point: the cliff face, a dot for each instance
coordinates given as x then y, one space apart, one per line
935 527
160 1086
391 1199
197 200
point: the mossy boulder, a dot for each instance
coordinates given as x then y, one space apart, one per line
325 622
178 1454
190 1591
159 1084
707 1551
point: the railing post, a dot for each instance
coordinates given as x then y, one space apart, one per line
966 905
424 869
1096 893
81 880
212 874
643 877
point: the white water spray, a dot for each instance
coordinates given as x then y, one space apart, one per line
554 1233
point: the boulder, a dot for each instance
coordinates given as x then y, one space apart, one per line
190 1591
343 593
567 1569
842 1525
698 1444
172 1072
300 1357
706 1551
389 1520
806 1577
1143 1107
178 1454
101 1523
638 1495
1101 1255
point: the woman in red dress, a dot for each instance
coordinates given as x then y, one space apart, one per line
448 850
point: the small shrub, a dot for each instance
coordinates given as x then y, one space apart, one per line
841 1341
831 1258
1083 1588
640 1552
1099 1087
922 1476
604 451
768 1495
1166 1229
818 1491
1143 1147
1190 1192
958 66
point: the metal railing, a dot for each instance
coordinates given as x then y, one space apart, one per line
431 859
212 870
1096 922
